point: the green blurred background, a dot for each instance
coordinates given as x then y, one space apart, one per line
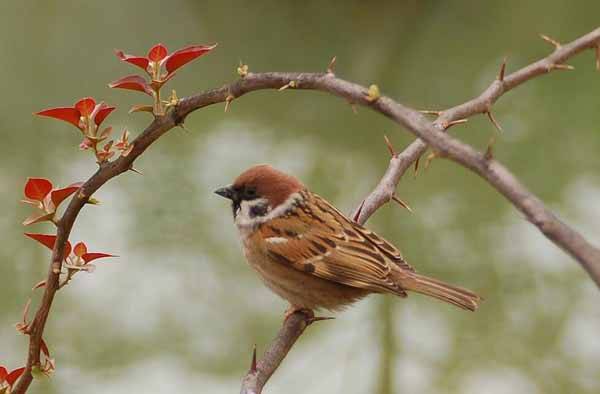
180 310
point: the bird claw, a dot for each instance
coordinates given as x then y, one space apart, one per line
309 315
293 309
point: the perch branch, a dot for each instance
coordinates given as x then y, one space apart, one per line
261 371
432 133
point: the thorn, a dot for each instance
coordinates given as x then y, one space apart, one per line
354 108
598 57
565 67
318 318
402 203
41 283
417 166
446 126
502 70
182 127
358 211
253 363
135 170
228 101
551 41
430 112
430 157
291 84
494 122
389 146
26 310
489 152
331 66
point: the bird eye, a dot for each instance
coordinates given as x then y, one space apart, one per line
250 193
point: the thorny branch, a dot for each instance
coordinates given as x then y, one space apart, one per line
430 134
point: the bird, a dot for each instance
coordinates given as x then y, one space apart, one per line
312 255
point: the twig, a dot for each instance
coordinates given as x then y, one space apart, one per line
496 174
261 371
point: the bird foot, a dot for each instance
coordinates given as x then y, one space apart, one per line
308 313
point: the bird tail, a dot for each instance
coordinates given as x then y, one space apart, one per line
454 295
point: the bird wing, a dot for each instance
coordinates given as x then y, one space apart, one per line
315 238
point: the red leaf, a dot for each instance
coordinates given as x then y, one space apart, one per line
185 55
68 114
132 82
12 377
80 249
48 241
59 195
139 61
85 106
3 373
102 113
37 188
87 257
157 53
44 239
44 348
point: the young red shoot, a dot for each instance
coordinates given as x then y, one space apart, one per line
160 67
87 116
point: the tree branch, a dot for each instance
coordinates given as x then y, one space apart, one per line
399 163
429 132
261 371
479 105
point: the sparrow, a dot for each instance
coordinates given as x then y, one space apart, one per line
312 255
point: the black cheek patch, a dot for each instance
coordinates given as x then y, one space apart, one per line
258 210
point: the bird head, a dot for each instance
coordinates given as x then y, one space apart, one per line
262 188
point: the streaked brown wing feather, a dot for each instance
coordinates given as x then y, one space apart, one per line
317 239
360 234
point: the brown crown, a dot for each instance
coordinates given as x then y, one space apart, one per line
270 183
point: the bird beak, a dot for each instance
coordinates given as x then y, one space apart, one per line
226 192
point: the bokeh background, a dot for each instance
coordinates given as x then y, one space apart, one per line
180 310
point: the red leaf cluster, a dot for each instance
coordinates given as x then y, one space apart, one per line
80 113
80 254
153 64
87 116
40 193
81 251
9 378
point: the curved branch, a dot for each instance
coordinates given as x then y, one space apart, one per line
106 172
496 174
479 105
